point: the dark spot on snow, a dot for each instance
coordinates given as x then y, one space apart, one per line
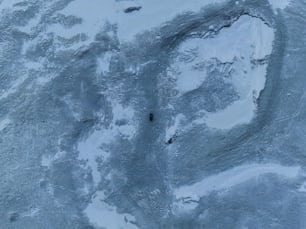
13 216
132 9
42 184
170 141
151 117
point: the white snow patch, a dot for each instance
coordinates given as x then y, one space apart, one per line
188 76
90 150
96 13
7 4
172 130
31 213
230 178
103 63
279 4
93 147
14 88
247 37
31 25
241 111
238 113
46 160
184 204
103 215
241 46
156 13
126 114
31 65
252 40
302 188
42 80
4 123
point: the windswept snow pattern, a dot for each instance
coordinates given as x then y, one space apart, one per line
95 147
141 114
241 51
227 180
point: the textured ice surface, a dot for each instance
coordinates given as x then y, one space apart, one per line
91 149
241 47
233 177
4 123
223 80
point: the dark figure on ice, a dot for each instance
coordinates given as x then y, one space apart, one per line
151 117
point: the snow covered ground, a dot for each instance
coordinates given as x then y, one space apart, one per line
79 80
279 4
151 15
244 47
4 123
103 215
225 181
93 147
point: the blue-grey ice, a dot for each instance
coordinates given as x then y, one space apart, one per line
151 114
